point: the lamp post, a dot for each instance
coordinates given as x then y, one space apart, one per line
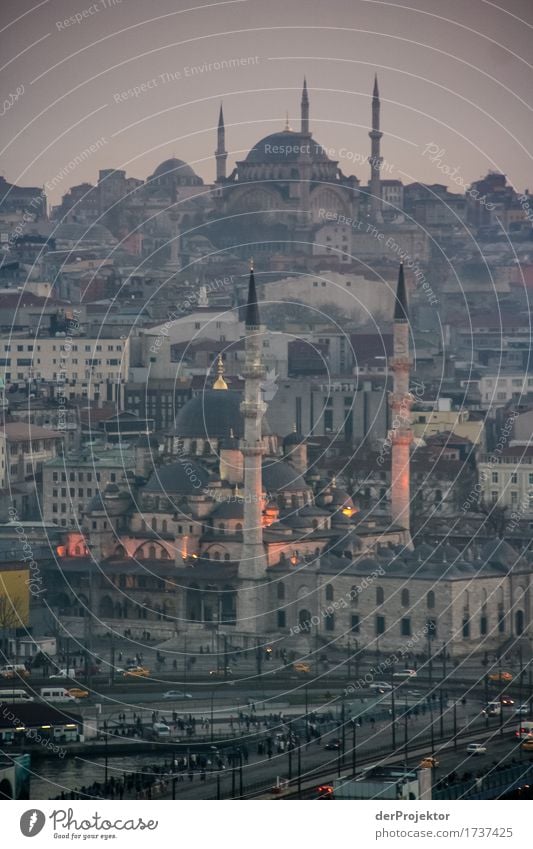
212 712
393 706
354 742
307 737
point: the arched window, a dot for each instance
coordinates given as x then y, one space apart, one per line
164 526
329 592
380 595
405 598
164 554
226 556
217 555
431 600
238 527
221 527
151 552
304 620
281 591
354 595
154 524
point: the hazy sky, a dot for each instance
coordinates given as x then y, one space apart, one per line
457 74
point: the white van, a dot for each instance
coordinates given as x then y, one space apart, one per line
56 694
15 696
160 730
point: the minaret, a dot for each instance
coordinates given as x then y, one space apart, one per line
305 109
400 401
221 153
252 566
375 158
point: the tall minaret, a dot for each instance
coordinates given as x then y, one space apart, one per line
221 153
252 566
375 158
401 401
305 109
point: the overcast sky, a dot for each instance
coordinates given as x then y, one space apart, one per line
455 74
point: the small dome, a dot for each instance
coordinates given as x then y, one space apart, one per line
184 477
212 415
278 476
175 171
293 438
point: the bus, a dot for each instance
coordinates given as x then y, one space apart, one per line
525 730
13 695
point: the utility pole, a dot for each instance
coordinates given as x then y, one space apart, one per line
393 705
454 726
354 726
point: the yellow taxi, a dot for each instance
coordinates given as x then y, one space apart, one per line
78 693
527 745
301 667
137 672
498 677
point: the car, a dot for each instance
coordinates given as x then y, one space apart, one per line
176 694
498 677
522 710
476 749
220 673
325 791
14 670
137 672
78 693
506 701
429 762
300 666
333 745
527 745
380 686
405 673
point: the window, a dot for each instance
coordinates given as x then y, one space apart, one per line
330 622
281 591
380 625
514 477
466 628
380 595
501 619
282 619
329 593
355 624
405 598
495 477
405 627
483 627
431 600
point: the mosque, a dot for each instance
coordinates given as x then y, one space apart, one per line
228 530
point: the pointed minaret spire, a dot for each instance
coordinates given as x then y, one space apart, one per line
221 154
252 308
287 127
400 307
375 159
401 401
305 109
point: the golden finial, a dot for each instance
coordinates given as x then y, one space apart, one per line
220 383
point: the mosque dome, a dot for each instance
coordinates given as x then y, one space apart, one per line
214 414
285 147
175 171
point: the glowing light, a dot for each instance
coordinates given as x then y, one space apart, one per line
294 558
